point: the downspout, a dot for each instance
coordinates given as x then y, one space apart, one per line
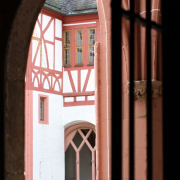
97 105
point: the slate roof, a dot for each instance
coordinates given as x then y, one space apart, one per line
72 7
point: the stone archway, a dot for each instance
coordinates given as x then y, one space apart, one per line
17 19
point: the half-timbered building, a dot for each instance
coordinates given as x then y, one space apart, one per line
60 93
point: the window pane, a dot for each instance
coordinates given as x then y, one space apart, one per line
41 108
77 139
85 163
67 56
67 39
92 138
79 38
79 55
92 36
70 163
91 54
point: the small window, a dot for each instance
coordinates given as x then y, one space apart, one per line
67 47
91 43
79 47
43 109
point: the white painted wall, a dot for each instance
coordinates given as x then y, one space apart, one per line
91 82
48 140
74 114
66 83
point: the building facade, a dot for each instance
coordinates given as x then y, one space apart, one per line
60 97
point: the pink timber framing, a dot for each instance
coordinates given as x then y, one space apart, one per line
39 71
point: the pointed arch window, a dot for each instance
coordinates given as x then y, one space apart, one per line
80 152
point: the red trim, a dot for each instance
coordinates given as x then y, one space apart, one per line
46 109
54 54
98 31
35 38
88 17
71 81
49 42
87 79
41 48
47 26
50 71
79 103
35 56
28 75
85 45
79 94
86 98
93 25
47 58
78 68
59 39
79 81
28 135
72 46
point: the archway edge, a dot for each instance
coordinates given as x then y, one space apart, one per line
78 125
15 68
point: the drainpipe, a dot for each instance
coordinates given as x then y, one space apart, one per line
97 106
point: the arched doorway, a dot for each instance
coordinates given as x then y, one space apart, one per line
14 58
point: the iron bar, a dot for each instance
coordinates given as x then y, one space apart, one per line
116 90
131 99
149 90
140 20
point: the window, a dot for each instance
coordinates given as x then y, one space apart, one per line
43 109
80 152
67 47
91 42
79 47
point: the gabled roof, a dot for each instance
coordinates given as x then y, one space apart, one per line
72 7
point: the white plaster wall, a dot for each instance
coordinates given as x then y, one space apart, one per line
74 75
58 55
49 34
91 82
78 113
66 83
83 77
48 140
58 30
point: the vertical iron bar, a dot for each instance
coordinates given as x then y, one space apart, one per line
116 90
149 91
131 99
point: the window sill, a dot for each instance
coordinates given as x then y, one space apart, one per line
79 65
67 66
90 64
